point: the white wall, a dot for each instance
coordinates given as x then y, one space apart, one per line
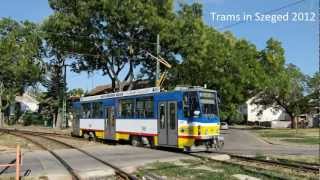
281 124
269 114
27 103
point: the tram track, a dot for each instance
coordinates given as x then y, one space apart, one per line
30 136
37 132
245 162
305 167
284 162
43 147
260 166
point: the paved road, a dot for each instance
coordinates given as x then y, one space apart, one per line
242 141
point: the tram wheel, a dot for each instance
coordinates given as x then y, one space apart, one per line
135 141
92 136
151 143
86 136
219 145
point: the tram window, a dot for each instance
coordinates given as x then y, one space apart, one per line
86 110
126 108
186 108
208 103
172 109
144 107
209 109
97 110
162 114
190 103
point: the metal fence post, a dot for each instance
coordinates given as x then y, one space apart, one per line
18 162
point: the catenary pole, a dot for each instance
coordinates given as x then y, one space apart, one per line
64 106
158 63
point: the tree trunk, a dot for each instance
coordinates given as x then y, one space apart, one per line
1 105
59 119
294 121
1 113
54 119
119 86
128 80
113 85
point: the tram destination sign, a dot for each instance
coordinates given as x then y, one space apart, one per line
121 94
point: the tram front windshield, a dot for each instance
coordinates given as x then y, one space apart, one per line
208 103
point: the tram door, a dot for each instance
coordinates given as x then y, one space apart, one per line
110 123
167 123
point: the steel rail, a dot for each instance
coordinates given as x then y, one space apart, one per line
118 170
246 168
63 162
301 166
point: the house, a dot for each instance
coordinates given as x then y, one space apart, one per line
23 103
270 117
313 118
104 89
27 103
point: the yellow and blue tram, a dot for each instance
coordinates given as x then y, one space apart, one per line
184 118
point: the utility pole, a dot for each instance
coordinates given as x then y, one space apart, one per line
62 120
158 63
64 103
1 113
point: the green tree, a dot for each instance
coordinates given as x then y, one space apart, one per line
78 92
272 57
20 59
284 85
52 99
314 91
112 36
52 104
216 59
57 49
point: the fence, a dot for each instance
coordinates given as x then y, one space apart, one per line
17 163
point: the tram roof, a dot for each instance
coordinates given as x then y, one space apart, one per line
140 92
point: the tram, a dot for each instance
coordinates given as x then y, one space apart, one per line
184 118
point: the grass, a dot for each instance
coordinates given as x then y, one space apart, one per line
306 140
9 143
290 158
301 158
195 169
300 136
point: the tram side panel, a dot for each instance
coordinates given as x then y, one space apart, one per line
144 127
128 127
92 119
92 126
189 130
136 127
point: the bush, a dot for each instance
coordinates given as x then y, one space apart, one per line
237 118
32 118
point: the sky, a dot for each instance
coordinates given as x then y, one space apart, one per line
299 39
